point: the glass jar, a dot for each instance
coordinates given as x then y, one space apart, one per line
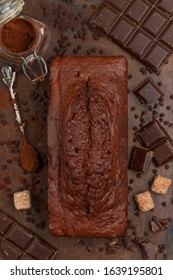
10 9
34 66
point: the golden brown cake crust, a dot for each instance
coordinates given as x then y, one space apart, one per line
87 143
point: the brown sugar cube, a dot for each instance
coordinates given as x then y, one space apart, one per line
144 201
160 184
22 200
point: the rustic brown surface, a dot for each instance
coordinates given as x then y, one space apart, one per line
65 19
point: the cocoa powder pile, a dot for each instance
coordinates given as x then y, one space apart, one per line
29 157
18 35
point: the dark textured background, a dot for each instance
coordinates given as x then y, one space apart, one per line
70 35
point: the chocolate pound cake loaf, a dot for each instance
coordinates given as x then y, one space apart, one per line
87 143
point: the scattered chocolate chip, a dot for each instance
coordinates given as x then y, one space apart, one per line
159 84
164 203
101 51
80 241
101 249
133 108
137 214
7 180
130 76
90 247
162 248
168 108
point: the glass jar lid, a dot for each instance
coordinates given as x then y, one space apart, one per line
10 9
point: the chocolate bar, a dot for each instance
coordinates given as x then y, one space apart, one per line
148 92
141 159
154 137
129 243
20 244
144 28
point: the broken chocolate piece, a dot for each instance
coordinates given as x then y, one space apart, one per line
165 223
163 153
159 225
143 28
18 243
156 226
151 135
149 250
154 137
129 244
141 159
148 92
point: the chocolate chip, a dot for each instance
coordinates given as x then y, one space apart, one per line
7 180
80 241
131 181
164 203
90 247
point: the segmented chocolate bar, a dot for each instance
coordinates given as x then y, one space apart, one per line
20 244
144 28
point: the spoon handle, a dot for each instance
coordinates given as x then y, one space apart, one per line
17 113
9 79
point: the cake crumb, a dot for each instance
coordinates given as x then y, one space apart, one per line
22 200
144 201
160 184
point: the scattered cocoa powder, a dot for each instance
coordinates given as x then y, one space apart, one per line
18 35
29 158
3 100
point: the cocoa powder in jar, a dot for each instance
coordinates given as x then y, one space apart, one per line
18 35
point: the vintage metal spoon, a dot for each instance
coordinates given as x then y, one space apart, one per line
28 156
